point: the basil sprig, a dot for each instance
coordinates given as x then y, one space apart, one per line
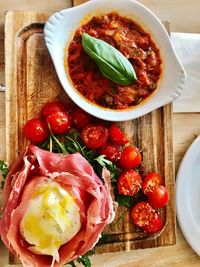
112 63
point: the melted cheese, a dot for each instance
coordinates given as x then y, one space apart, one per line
51 220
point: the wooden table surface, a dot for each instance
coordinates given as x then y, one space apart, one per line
184 17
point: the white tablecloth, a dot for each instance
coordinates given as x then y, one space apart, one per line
187 47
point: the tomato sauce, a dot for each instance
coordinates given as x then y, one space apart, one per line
134 43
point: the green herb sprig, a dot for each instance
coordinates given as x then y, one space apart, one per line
113 169
71 143
4 171
85 260
111 62
129 201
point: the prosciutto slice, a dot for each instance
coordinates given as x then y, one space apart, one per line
73 172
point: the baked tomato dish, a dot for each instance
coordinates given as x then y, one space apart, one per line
113 46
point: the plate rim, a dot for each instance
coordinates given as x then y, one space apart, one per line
160 98
179 182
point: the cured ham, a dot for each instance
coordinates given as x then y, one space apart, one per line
36 167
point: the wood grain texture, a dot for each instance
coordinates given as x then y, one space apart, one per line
31 81
157 156
30 76
152 133
2 125
25 5
185 128
78 2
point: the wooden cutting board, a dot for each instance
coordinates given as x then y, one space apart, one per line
31 81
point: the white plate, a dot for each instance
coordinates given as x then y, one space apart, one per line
59 31
188 195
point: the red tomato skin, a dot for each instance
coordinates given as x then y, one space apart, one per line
94 136
59 122
51 107
129 183
112 152
150 182
130 158
142 214
159 197
155 226
116 135
36 130
80 118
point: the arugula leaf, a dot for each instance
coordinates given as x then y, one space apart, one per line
121 216
105 237
111 62
129 201
60 145
103 162
85 260
114 174
125 201
4 171
71 143
45 145
71 263
74 144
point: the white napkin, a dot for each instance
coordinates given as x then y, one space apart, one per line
187 47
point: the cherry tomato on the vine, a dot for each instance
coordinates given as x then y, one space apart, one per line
129 183
155 225
94 136
80 118
59 122
150 182
36 130
159 197
130 158
112 152
117 136
51 107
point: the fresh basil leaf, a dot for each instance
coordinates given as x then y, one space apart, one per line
111 62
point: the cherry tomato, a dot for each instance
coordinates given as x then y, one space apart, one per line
94 136
116 135
155 226
130 158
159 197
51 107
80 118
36 130
129 183
151 180
112 152
59 122
142 214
